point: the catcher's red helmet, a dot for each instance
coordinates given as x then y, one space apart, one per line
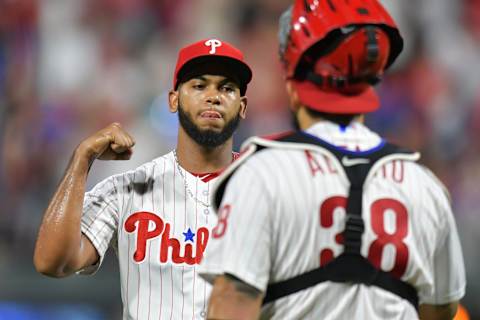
334 50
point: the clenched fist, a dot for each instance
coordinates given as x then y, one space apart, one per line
110 143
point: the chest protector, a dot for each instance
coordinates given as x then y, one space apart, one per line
350 266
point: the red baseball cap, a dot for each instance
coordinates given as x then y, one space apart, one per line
210 53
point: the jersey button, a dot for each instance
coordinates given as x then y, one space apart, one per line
203 314
206 211
205 192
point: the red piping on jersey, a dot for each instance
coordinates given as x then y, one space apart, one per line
205 177
276 136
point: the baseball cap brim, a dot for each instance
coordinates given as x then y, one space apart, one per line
220 65
336 102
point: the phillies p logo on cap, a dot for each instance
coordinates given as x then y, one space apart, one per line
212 52
213 44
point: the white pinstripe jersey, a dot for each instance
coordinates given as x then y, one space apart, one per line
159 234
282 214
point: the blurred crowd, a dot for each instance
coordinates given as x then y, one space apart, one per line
69 67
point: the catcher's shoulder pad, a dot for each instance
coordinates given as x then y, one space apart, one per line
249 147
298 140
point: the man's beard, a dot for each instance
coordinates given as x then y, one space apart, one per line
207 138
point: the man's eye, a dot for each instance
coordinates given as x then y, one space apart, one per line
198 86
228 89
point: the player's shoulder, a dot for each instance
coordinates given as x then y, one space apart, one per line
426 179
146 171
270 158
254 167
272 148
256 158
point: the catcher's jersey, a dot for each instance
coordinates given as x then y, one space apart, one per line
283 213
159 233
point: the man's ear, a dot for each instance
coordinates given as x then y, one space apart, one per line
173 101
295 103
243 107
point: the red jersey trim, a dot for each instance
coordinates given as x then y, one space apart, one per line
276 136
205 177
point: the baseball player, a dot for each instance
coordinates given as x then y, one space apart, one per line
157 217
331 221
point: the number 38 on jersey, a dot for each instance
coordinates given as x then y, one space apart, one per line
386 218
386 228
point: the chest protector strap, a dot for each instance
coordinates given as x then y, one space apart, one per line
350 266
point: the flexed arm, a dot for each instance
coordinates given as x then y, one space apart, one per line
61 248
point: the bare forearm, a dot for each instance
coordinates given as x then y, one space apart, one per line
233 299
61 248
59 237
438 312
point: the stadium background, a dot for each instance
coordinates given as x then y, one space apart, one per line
69 67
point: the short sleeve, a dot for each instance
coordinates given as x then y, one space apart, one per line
100 218
240 243
448 265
